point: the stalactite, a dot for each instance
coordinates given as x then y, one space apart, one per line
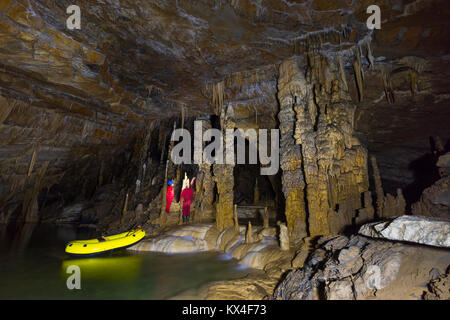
138 186
359 80
6 108
87 130
387 84
342 73
30 209
370 57
32 162
124 209
183 113
414 79
100 174
218 95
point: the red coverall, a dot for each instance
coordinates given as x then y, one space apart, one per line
170 194
187 194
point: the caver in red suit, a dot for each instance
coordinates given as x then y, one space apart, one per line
187 194
170 194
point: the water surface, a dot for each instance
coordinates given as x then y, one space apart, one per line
33 265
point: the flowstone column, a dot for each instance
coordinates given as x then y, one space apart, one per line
205 185
224 179
333 164
290 153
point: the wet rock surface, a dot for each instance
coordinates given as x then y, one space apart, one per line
347 273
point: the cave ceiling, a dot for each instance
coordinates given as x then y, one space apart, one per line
74 93
169 50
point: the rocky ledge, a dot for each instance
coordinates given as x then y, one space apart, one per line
359 268
429 231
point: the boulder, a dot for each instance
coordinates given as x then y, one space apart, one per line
424 230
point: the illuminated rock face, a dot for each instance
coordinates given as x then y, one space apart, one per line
73 102
322 161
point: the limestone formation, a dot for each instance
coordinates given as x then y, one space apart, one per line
378 186
284 237
290 154
223 177
430 231
343 269
331 166
203 201
249 234
87 116
435 200
367 213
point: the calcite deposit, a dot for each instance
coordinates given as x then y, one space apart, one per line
88 118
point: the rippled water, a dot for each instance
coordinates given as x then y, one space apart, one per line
33 265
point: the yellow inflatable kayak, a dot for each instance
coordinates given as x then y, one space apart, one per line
97 246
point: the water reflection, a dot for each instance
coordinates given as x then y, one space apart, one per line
23 236
106 268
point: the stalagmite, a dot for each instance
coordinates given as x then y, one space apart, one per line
256 192
236 221
266 218
203 201
378 186
284 237
249 234
163 215
366 214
